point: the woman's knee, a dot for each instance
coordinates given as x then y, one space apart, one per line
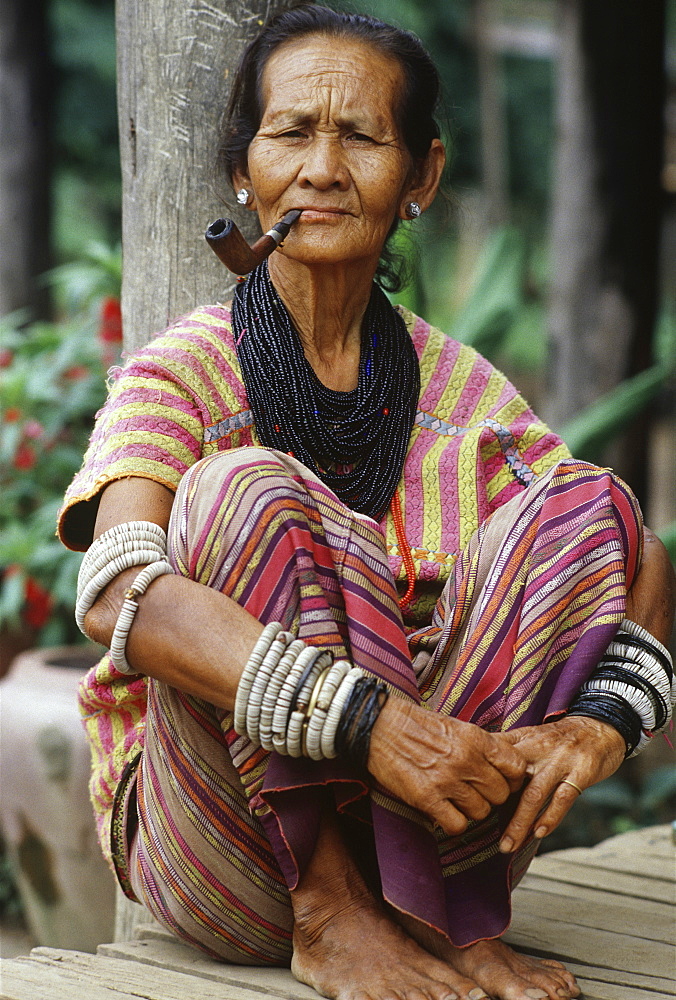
221 498
213 471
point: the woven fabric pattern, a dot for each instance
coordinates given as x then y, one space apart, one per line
225 826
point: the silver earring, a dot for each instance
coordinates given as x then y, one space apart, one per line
243 196
413 210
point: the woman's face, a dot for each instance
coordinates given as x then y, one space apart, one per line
328 143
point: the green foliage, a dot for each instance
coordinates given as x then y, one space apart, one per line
495 304
497 293
53 382
86 178
620 803
588 433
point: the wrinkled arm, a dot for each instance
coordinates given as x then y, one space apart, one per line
580 749
190 636
652 599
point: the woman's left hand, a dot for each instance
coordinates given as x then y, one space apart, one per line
575 749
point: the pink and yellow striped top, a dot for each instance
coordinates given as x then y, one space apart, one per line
474 444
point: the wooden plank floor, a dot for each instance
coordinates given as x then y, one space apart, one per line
608 912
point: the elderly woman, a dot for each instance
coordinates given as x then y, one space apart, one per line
286 768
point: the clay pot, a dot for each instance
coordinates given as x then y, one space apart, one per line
67 889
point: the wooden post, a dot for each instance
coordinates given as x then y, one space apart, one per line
608 207
174 64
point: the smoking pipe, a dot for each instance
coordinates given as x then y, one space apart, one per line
232 249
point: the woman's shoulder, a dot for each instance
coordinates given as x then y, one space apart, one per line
198 330
447 367
191 351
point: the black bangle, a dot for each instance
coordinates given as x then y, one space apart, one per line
612 709
349 715
617 673
353 737
359 743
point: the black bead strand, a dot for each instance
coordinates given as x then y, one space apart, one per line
354 441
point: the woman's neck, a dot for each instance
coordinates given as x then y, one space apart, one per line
327 305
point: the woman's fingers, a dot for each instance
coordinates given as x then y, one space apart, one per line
575 749
543 804
471 803
509 761
450 819
563 797
424 758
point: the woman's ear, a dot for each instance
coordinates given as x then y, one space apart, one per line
242 182
425 182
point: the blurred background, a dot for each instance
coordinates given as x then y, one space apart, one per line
552 252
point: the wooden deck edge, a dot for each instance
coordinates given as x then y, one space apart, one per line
622 958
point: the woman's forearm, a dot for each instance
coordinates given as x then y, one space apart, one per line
190 636
187 635
652 597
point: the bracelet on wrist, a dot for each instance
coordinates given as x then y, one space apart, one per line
296 700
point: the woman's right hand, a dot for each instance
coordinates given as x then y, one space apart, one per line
452 771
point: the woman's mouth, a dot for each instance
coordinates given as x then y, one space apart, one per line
319 214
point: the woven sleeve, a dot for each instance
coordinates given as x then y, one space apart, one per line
152 424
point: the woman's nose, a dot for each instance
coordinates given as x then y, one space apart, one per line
324 165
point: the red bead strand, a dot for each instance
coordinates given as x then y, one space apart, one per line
404 548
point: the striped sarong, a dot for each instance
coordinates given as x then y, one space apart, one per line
225 828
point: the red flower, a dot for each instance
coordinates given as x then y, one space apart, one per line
110 327
76 372
6 357
38 604
12 414
24 457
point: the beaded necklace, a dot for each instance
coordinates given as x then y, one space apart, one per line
354 441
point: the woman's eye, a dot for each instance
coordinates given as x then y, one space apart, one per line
360 137
293 133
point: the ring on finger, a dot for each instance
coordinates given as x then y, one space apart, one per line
567 781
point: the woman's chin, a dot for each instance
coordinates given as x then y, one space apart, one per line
320 253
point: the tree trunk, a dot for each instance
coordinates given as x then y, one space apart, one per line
24 155
607 205
175 60
492 115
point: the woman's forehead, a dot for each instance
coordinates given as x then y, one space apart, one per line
320 76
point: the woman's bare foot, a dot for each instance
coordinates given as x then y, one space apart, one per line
347 948
500 971
505 974
357 953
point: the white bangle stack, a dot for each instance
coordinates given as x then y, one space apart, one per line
118 642
636 672
134 543
658 658
290 696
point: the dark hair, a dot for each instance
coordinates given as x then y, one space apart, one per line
414 116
